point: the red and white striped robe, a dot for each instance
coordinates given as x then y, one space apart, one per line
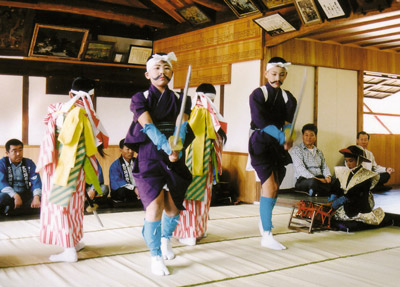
61 226
193 220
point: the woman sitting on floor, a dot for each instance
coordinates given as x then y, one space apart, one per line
354 200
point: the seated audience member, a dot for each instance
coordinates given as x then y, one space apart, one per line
384 172
20 185
92 193
123 186
353 200
310 168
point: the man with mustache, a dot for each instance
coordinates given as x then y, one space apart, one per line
160 173
272 109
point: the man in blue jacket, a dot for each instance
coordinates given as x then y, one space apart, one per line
20 185
123 186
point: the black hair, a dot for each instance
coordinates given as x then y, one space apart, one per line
277 60
362 133
309 127
83 84
121 143
11 142
206 88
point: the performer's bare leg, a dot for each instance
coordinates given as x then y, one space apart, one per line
269 192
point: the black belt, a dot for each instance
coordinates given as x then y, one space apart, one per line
167 128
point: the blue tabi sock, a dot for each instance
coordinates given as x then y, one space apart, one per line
339 202
168 225
332 197
266 206
152 236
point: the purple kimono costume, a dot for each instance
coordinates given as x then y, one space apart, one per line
152 169
273 108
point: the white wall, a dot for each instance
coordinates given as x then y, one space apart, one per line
38 103
116 117
10 108
245 78
337 112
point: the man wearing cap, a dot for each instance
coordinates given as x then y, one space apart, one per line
160 173
272 109
353 200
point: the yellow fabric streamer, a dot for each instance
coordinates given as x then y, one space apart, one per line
75 122
200 120
91 176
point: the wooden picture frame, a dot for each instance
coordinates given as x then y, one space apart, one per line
274 24
138 55
308 12
332 9
58 42
15 30
271 4
99 51
242 8
194 15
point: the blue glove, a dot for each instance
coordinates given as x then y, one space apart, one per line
274 132
182 131
158 138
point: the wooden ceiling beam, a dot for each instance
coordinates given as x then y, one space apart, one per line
169 8
132 16
367 35
212 4
357 29
308 31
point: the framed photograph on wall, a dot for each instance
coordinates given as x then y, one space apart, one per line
242 8
138 55
15 30
332 8
58 42
100 51
308 12
270 4
193 15
274 24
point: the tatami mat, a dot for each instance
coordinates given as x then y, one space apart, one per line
231 255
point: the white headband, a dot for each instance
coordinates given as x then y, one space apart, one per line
91 92
211 96
279 64
157 58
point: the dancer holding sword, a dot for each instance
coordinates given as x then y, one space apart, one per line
272 111
159 169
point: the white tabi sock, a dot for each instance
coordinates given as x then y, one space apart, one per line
166 249
158 267
190 241
269 241
79 246
69 255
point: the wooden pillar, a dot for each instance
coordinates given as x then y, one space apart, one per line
25 109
